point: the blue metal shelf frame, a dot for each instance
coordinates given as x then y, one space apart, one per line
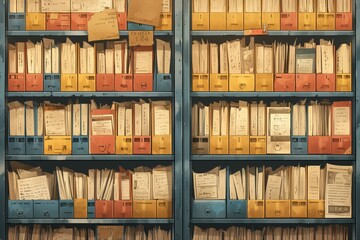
90 94
90 221
72 33
275 33
2 121
89 157
273 94
308 158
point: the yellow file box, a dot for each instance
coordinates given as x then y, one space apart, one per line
298 208
272 20
86 83
200 21
124 145
241 82
35 21
163 209
325 21
234 21
161 144
343 82
200 82
258 145
68 82
218 21
165 22
277 208
80 208
219 83
316 208
239 145
219 145
256 209
57 145
264 82
252 20
307 21
144 209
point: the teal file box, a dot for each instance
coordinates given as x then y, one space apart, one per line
208 209
91 209
46 209
20 209
299 145
80 145
163 83
52 82
66 209
236 209
139 27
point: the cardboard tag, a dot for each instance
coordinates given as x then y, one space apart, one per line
103 26
145 12
141 38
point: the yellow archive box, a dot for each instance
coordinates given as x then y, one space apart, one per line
241 82
57 145
35 21
277 208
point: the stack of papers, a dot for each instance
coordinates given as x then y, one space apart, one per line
315 183
217 6
299 119
57 119
17 57
87 59
92 5
124 118
319 118
34 57
143 61
288 6
284 58
163 56
161 111
326 6
139 232
200 57
16 6
16 118
257 119
239 119
241 57
256 178
65 181
33 6
236 6
218 58
142 118
271 6
200 6
200 120
307 6
220 118
343 5
343 59
252 6
325 57
80 117
68 57
278 183
298 183
102 124
210 185
305 58
104 184
51 56
105 58
122 57
238 185
264 58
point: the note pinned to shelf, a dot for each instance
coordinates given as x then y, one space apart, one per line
103 26
145 12
141 38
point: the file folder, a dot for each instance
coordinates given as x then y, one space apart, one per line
239 145
307 21
271 20
241 82
46 209
35 21
325 21
305 82
132 26
256 209
234 21
58 21
102 144
257 145
316 208
69 82
289 21
264 82
144 208
20 209
143 82
340 143
343 83
200 145
200 82
80 208
55 145
298 209
66 209
219 83
105 82
165 22
16 21
162 143
86 82
325 82
277 209
217 21
52 82
284 83
123 209
208 209
104 209
164 209
252 20
123 82
79 21
35 144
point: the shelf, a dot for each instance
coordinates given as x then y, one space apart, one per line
273 94
90 94
275 33
90 221
272 157
74 33
90 157
273 221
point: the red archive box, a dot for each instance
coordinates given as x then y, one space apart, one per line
104 209
143 82
34 82
16 80
305 82
341 142
123 208
142 145
343 20
123 82
58 21
105 82
319 144
325 82
122 22
79 21
284 83
288 21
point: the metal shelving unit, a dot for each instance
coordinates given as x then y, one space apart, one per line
73 33
90 221
90 94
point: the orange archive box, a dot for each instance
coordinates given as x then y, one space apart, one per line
241 82
58 21
141 132
143 78
124 138
104 208
341 142
284 82
307 20
316 209
102 131
123 206
144 209
79 21
264 82
344 17
325 21
161 127
289 21
271 20
219 82
200 82
80 208
219 141
298 208
17 67
34 80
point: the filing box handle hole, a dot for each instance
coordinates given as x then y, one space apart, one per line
277 213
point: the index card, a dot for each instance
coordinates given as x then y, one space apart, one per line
55 122
162 183
143 61
102 125
341 118
35 188
141 186
162 120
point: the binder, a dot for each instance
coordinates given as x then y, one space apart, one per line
35 21
46 209
164 209
278 144
299 209
16 79
55 145
20 209
79 21
16 144
123 83
325 21
161 143
257 146
218 144
208 209
235 209
102 144
104 209
16 20
141 143
307 21
264 82
341 144
277 209
52 82
234 21
289 21
66 209
343 20
81 208
271 20
219 83
58 21
200 82
144 208
316 208
284 83
143 82
124 143
242 82
34 144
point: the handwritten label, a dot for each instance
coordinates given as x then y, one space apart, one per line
141 38
103 26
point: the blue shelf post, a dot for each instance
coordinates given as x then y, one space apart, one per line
2 121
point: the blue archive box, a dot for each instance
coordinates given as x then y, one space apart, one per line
236 209
20 209
52 82
208 209
16 21
139 27
34 144
46 209
80 145
163 83
299 145
66 209
16 145
91 209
